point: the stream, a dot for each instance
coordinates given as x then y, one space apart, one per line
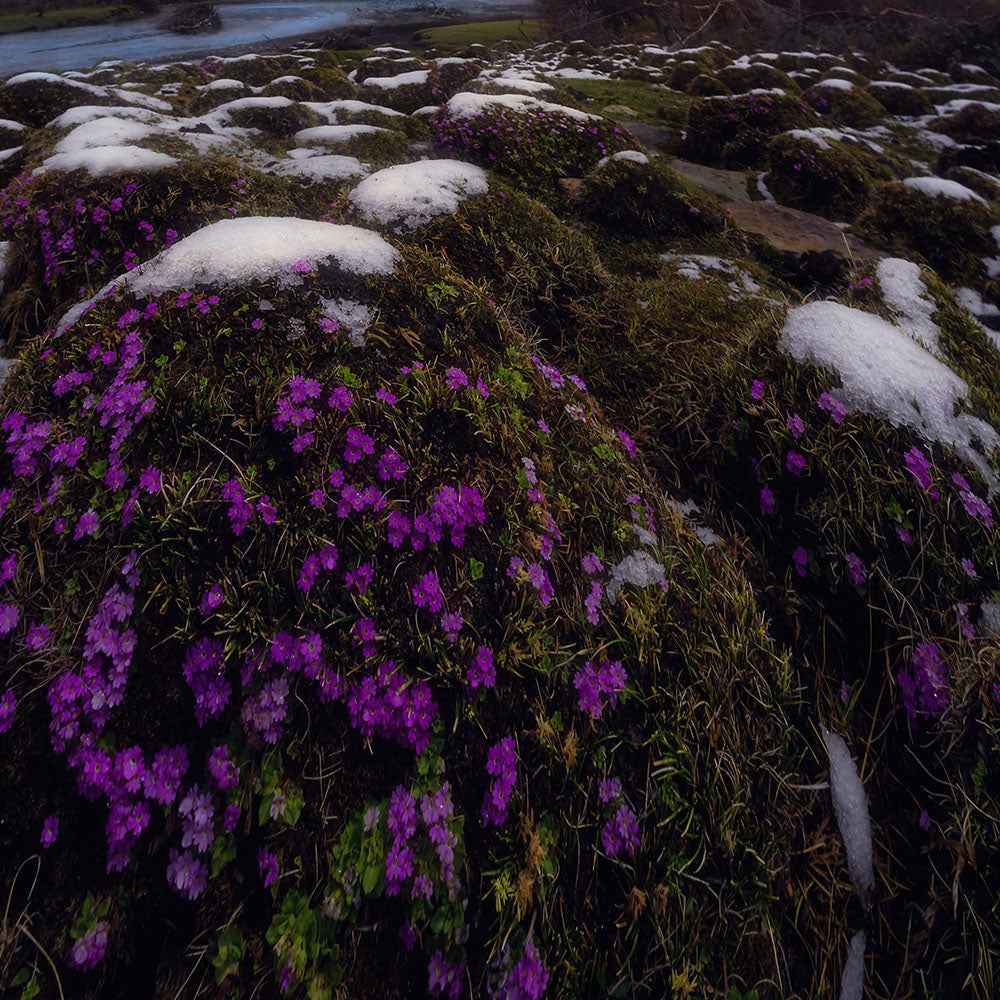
243 25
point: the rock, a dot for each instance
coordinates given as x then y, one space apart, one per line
203 127
573 187
191 18
620 109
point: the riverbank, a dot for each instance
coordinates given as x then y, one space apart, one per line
15 22
246 27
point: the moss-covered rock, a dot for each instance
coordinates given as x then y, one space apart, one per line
822 175
278 120
855 106
735 131
35 100
757 76
296 88
902 99
952 235
332 82
974 124
708 85
649 199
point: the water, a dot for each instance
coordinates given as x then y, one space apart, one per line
243 24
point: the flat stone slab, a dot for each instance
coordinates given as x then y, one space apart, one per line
728 184
798 232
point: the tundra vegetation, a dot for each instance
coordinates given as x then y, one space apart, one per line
443 550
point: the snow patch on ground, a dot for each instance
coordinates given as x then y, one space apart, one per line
940 187
885 372
852 979
851 810
409 195
905 294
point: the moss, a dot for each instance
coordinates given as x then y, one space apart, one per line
35 102
281 122
951 235
908 101
649 200
331 81
708 85
297 90
837 181
855 107
973 124
256 72
734 132
10 136
381 149
982 156
761 76
684 73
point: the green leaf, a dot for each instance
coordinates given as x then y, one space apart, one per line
370 879
223 851
475 568
230 954
98 469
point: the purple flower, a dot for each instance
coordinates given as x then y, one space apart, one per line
427 593
211 599
833 406
267 865
10 615
186 874
38 637
621 833
767 501
800 558
970 568
796 425
482 672
593 684
87 525
50 830
501 765
610 789
7 705
88 950
856 567
925 820
151 481
527 979
919 466
231 818
795 463
302 267
455 378
924 686
757 390
8 568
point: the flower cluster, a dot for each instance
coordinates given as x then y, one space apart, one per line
391 704
481 672
594 684
204 671
88 950
924 686
501 765
527 979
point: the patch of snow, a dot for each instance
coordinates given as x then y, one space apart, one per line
223 84
639 569
329 109
321 168
466 105
629 155
941 187
883 371
410 194
239 251
762 188
352 317
105 161
6 154
107 131
851 810
428 109
11 126
905 293
417 78
835 83
852 979
334 134
889 85
566 73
